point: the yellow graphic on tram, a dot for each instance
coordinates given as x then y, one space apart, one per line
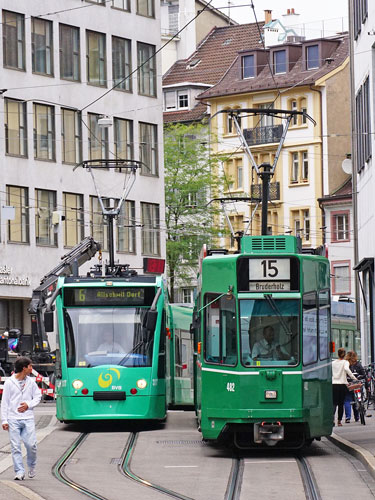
106 379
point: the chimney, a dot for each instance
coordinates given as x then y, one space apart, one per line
292 11
288 12
267 16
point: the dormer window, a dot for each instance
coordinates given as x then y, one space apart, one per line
170 100
312 57
279 61
176 99
183 99
248 66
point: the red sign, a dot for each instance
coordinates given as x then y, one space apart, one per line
154 266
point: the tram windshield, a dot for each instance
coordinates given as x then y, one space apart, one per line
98 336
269 332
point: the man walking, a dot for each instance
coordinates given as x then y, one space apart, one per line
20 396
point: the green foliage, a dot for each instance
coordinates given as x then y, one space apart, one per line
191 179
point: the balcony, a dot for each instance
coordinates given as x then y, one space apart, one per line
263 135
274 193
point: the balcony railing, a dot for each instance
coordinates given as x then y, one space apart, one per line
274 193
263 135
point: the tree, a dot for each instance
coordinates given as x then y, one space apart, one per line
191 178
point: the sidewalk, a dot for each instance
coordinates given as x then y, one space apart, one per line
358 440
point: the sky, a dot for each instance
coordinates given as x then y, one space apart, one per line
316 17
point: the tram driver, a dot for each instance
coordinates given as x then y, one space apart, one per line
109 345
268 348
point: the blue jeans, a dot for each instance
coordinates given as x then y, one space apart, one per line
22 430
348 403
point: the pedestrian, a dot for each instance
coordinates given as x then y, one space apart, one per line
20 396
355 367
340 370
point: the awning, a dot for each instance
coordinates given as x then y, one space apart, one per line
364 264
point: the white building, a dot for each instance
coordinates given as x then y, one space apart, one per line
58 65
362 23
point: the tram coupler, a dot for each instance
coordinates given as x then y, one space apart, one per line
269 433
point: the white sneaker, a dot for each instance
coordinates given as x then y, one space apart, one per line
31 473
19 477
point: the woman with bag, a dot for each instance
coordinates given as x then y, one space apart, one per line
340 370
355 367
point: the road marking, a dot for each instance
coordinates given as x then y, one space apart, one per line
22 490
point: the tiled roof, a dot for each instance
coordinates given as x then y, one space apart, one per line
232 83
340 194
215 54
195 114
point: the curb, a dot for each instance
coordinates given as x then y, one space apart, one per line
357 451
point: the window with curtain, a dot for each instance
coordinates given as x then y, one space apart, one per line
341 277
14 40
126 228
340 226
45 204
69 53
44 132
96 58
147 69
18 228
74 220
71 135
146 8
150 229
42 46
148 148
15 123
121 63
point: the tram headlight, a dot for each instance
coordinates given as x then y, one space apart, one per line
77 384
141 383
270 394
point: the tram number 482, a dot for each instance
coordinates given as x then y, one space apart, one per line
231 386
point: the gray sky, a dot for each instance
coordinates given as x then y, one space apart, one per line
314 15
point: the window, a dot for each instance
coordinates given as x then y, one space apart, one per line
310 329
324 324
306 224
363 125
45 205
360 12
148 148
183 99
294 108
42 46
73 223
170 100
248 69
69 53
126 228
312 57
220 330
147 69
300 220
96 59
239 177
14 40
279 61
266 120
44 132
299 171
121 63
150 229
187 295
340 226
71 135
99 226
123 132
298 104
101 2
98 139
121 4
341 278
15 128
146 8
18 228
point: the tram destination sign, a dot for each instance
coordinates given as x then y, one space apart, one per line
269 275
116 296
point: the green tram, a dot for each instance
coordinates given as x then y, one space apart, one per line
110 357
180 355
263 346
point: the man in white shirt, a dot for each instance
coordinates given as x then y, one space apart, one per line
109 345
267 348
20 396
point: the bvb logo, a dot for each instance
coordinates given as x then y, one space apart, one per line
106 380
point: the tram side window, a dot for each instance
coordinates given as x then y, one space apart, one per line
220 338
324 324
310 329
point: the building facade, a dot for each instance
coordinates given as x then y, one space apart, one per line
58 69
362 19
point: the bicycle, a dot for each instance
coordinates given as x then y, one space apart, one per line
370 385
359 399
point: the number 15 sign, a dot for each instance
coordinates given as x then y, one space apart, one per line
269 274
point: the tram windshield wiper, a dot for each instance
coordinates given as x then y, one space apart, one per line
272 303
132 351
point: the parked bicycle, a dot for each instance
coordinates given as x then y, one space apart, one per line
359 399
370 384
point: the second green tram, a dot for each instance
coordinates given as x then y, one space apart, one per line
262 338
110 357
